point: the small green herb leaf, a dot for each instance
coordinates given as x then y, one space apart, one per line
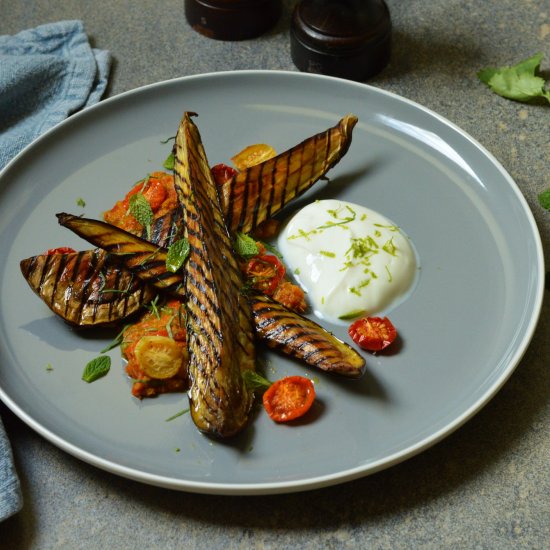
544 199
245 246
141 210
81 202
255 382
169 162
177 254
96 368
352 315
519 82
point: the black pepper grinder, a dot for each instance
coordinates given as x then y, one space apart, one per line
344 38
232 19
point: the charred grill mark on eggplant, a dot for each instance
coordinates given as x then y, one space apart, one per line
84 288
282 178
219 351
145 259
295 335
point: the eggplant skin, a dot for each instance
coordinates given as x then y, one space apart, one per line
261 191
141 257
219 325
299 337
85 288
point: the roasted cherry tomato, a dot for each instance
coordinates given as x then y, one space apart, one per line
372 333
61 250
289 398
266 272
222 173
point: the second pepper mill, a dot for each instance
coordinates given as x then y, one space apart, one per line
232 19
344 38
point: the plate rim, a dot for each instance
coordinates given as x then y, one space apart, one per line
278 487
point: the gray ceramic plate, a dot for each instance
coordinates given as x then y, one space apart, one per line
463 330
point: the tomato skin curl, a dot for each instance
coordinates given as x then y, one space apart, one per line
289 398
373 333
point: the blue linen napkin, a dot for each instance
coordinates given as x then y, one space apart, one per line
46 74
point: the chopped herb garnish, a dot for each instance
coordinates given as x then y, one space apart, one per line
390 277
165 141
152 307
49 367
297 271
96 368
390 248
357 289
177 254
327 253
178 414
81 202
116 341
352 315
255 381
272 249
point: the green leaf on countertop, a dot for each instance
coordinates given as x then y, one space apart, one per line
96 368
544 199
519 82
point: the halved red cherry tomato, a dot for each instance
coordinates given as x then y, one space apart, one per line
222 173
289 398
373 333
60 250
266 272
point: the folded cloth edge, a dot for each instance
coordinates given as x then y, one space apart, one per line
83 87
83 83
11 499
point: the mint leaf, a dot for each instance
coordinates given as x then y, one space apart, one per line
96 368
177 254
140 208
170 162
245 246
519 82
544 199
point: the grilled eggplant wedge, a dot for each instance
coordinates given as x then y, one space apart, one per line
280 328
299 337
259 192
219 326
143 258
85 288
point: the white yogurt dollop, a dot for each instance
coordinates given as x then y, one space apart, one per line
351 260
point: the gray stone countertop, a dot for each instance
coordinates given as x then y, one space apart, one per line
484 486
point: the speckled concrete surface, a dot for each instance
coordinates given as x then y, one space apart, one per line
485 486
